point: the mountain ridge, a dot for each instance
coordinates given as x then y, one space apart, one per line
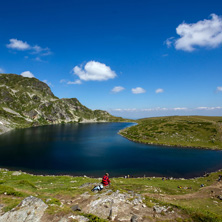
27 102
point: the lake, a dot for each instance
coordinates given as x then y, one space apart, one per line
93 149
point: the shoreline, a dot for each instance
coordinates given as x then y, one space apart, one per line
174 146
118 177
7 129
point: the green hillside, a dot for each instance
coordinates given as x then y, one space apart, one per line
184 199
26 102
184 131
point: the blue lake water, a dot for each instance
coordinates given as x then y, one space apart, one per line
92 149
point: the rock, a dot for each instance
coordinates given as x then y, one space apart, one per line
134 218
31 209
16 173
219 197
79 218
159 209
76 208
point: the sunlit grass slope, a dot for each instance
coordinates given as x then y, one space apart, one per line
196 203
184 131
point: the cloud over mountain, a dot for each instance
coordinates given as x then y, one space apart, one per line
20 45
27 74
94 71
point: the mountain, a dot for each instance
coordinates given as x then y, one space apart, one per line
27 102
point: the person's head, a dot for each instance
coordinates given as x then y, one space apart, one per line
107 174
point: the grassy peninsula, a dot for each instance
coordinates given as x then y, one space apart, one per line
181 131
197 199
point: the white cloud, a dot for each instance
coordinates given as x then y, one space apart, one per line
204 33
209 108
2 70
94 71
27 74
77 82
219 89
159 90
138 90
63 81
166 109
117 89
169 42
179 108
47 82
18 44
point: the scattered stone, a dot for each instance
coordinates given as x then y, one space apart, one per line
219 197
159 209
76 208
134 218
143 205
79 218
48 200
16 173
30 209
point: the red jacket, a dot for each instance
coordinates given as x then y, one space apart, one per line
105 180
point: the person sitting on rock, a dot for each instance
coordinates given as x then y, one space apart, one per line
106 180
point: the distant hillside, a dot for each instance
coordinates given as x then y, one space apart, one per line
184 131
26 102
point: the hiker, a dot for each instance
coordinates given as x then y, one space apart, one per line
106 180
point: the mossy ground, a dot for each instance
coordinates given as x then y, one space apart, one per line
196 202
182 131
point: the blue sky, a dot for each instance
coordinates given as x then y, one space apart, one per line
132 58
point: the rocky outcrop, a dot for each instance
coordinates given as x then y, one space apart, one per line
26 102
31 209
114 205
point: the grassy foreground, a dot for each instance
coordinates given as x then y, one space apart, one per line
182 131
197 203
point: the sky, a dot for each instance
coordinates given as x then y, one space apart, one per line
134 58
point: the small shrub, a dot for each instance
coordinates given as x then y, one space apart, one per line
93 218
10 191
54 201
27 183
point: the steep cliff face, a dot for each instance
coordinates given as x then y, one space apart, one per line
26 102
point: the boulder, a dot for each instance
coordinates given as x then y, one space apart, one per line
79 218
134 218
76 208
159 209
31 209
16 173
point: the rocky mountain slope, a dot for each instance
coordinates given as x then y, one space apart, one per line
26 102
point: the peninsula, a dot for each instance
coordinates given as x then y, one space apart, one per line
180 131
